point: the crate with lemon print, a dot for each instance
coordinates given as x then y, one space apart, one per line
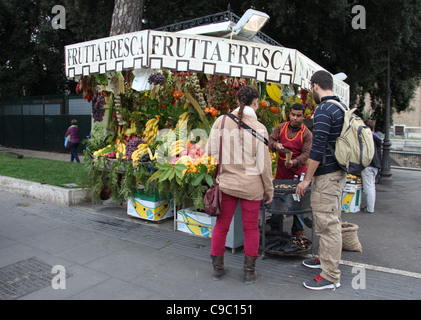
194 222
151 208
351 197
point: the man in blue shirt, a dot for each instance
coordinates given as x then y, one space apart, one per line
328 180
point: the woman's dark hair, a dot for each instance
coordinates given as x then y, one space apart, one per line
246 95
323 78
73 122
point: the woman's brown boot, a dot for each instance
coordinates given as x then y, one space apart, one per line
218 267
250 272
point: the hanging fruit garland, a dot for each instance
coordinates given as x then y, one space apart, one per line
87 85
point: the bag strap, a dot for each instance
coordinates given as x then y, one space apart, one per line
344 109
217 172
251 130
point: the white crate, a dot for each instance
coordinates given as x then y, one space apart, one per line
149 210
351 197
194 222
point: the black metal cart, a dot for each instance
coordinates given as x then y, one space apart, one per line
286 203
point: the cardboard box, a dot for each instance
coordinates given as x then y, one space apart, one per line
150 208
194 222
202 225
351 197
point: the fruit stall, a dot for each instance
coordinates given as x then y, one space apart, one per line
155 96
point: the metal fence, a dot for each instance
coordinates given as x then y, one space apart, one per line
39 123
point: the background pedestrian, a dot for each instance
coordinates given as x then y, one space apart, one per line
73 132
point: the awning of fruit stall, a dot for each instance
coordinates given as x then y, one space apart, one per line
195 53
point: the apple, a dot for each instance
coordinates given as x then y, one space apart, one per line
174 160
193 150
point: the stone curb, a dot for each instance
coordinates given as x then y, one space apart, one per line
45 192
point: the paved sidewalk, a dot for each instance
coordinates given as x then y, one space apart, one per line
61 156
109 255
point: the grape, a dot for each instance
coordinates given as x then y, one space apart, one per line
98 103
131 146
156 78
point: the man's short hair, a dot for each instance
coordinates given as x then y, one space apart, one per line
298 106
323 78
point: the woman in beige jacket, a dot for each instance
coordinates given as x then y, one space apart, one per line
245 175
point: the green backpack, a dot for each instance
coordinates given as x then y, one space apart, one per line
354 149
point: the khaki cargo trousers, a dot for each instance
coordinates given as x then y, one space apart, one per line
326 203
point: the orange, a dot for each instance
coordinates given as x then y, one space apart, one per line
264 104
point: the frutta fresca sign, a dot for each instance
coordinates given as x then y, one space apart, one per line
195 53
304 69
126 51
221 56
176 51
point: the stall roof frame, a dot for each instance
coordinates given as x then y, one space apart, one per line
154 49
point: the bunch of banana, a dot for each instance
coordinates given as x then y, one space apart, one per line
177 147
121 149
99 152
152 156
151 130
273 156
183 118
137 154
131 130
274 92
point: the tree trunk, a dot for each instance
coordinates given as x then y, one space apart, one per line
127 16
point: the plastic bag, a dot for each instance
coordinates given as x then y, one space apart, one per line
67 142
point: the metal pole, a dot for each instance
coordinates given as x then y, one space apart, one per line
386 173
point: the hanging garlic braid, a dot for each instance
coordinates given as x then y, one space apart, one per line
246 95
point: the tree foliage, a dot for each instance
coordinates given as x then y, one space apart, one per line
323 31
32 51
